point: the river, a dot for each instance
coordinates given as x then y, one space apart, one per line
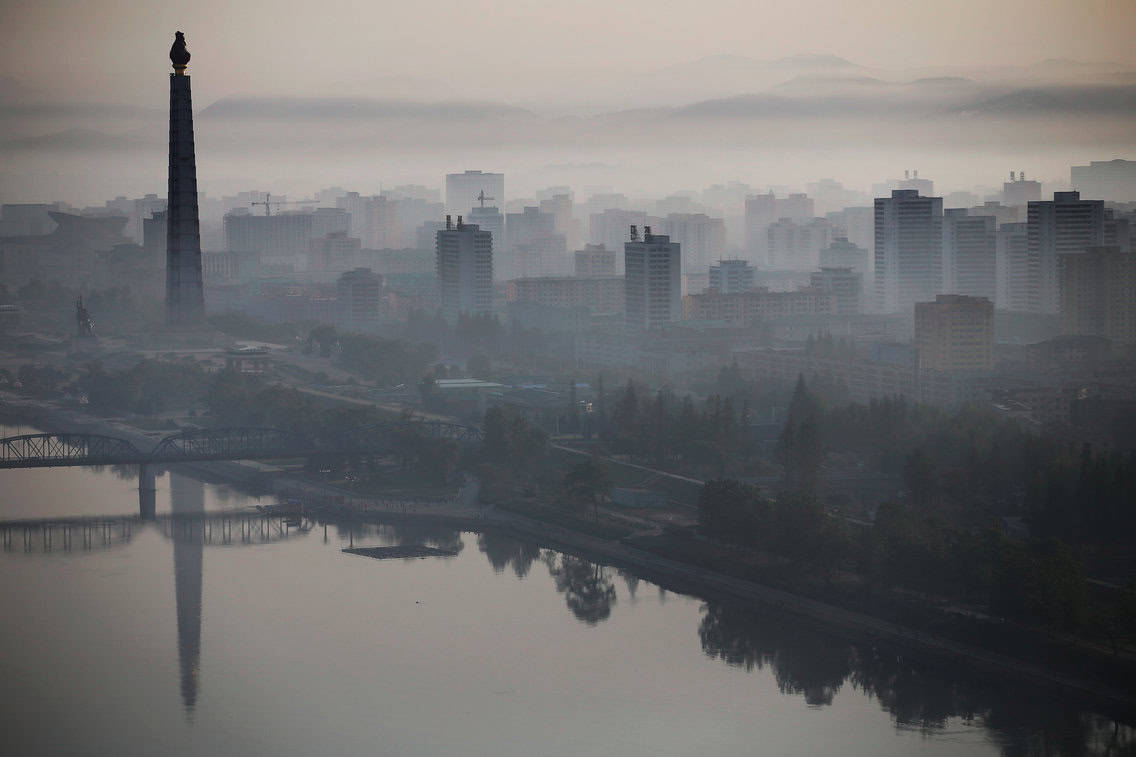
160 641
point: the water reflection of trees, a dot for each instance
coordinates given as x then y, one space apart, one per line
814 665
809 663
504 551
586 586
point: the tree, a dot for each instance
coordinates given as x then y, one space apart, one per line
588 481
479 365
799 447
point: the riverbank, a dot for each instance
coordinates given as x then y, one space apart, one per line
672 574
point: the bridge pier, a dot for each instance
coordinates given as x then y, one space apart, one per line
147 492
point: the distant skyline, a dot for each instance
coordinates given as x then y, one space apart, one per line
110 51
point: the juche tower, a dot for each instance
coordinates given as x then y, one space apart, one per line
185 299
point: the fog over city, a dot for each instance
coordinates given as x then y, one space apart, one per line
627 96
594 378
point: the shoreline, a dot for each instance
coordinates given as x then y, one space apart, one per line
673 575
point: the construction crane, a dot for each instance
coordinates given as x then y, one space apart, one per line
482 197
268 203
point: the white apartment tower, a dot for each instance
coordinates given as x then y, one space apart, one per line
464 189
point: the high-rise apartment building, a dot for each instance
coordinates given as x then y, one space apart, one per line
703 239
533 246
463 190
1018 192
1066 224
560 206
332 255
609 228
283 238
955 334
796 245
489 218
652 280
595 261
373 220
731 276
842 253
909 249
762 210
464 265
1015 270
1098 293
844 287
969 251
1113 180
360 294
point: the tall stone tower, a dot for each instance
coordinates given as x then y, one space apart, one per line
185 299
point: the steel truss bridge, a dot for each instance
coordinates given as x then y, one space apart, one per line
197 445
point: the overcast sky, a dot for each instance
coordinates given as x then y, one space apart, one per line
115 50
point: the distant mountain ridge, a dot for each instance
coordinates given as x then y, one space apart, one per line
354 108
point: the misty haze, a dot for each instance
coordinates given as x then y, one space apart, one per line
598 379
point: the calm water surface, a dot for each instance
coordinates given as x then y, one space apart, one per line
161 643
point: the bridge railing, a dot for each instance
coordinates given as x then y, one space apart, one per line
49 450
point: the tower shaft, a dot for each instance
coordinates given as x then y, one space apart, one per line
185 301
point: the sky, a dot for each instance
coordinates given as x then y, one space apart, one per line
639 96
115 50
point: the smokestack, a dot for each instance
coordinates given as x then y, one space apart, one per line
634 233
449 225
459 223
646 233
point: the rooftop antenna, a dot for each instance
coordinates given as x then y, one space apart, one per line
482 197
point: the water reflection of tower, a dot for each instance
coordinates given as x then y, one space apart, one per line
187 498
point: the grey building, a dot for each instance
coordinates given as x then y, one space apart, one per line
909 249
652 280
1066 224
969 249
464 265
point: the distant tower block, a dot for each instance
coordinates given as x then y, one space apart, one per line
185 300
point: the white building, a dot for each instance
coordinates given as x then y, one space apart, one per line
703 239
463 189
